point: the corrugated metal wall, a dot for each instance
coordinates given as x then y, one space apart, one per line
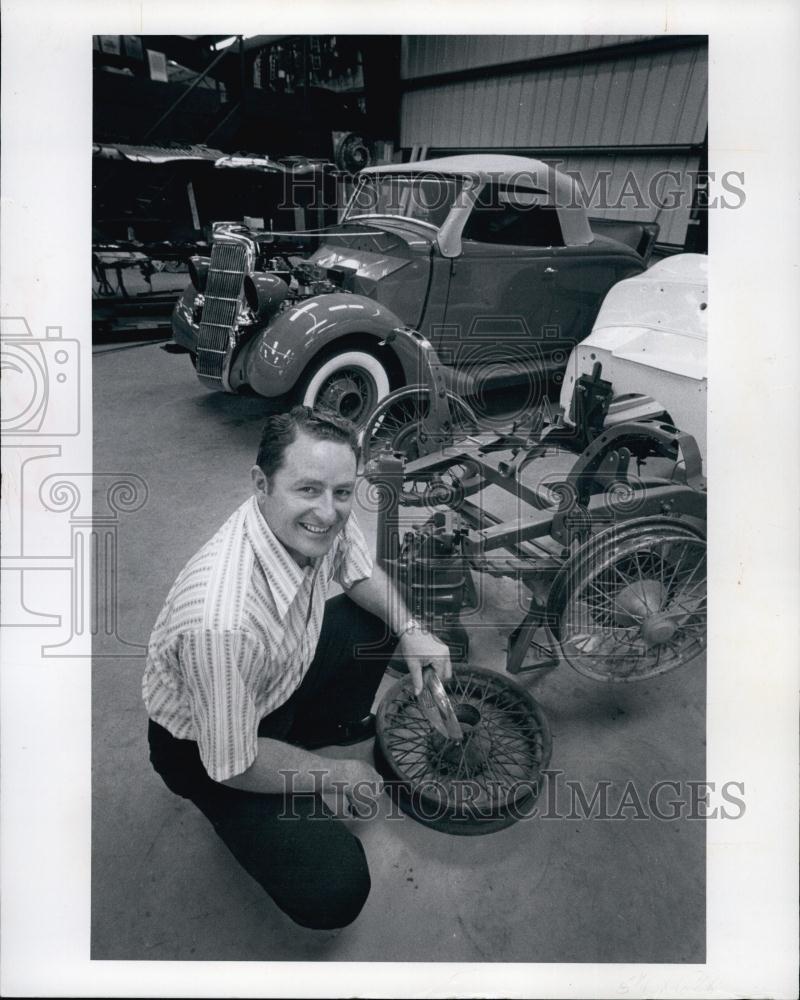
584 108
430 54
638 188
644 100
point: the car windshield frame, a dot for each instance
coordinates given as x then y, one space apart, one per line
400 189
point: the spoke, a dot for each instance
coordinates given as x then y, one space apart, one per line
698 626
389 424
597 616
462 761
408 752
440 757
521 758
677 567
417 771
415 732
495 776
626 580
619 636
417 726
509 777
638 571
523 737
515 712
684 585
602 594
492 799
417 742
505 736
411 769
687 612
506 761
460 688
600 618
506 747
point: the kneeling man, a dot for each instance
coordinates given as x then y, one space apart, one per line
250 668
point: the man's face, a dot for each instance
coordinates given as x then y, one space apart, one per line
307 501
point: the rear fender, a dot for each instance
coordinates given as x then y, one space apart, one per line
274 358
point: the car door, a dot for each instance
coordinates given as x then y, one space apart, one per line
583 275
503 285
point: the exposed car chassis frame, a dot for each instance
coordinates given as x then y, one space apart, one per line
599 499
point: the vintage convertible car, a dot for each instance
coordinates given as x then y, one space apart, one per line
491 257
650 341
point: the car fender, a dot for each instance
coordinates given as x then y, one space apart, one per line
273 360
184 328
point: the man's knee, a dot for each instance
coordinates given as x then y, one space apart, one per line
336 900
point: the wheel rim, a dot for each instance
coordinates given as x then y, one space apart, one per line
634 607
487 781
397 423
350 393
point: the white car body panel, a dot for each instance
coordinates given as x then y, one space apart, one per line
650 337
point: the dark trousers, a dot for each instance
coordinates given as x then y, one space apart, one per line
311 865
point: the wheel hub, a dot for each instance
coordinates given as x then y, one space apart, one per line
640 605
471 754
406 441
343 397
474 785
638 601
658 629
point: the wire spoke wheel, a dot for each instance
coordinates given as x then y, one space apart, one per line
631 603
349 384
397 424
485 782
350 393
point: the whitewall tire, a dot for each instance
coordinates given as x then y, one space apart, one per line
350 384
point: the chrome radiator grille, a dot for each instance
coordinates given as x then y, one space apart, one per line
222 296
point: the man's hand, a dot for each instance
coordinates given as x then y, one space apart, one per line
419 648
362 787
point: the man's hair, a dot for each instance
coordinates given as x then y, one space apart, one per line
281 429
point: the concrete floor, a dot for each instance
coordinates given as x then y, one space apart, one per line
542 890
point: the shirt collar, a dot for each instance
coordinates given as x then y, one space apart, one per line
282 573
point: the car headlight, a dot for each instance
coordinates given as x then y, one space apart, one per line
263 294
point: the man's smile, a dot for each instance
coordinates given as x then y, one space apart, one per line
314 528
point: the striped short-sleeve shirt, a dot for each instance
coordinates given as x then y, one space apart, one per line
237 634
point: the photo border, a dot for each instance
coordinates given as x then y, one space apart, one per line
752 921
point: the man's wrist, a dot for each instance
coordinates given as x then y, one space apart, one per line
409 624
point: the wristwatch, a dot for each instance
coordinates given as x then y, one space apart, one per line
407 626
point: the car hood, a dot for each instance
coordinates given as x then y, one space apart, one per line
374 251
389 262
